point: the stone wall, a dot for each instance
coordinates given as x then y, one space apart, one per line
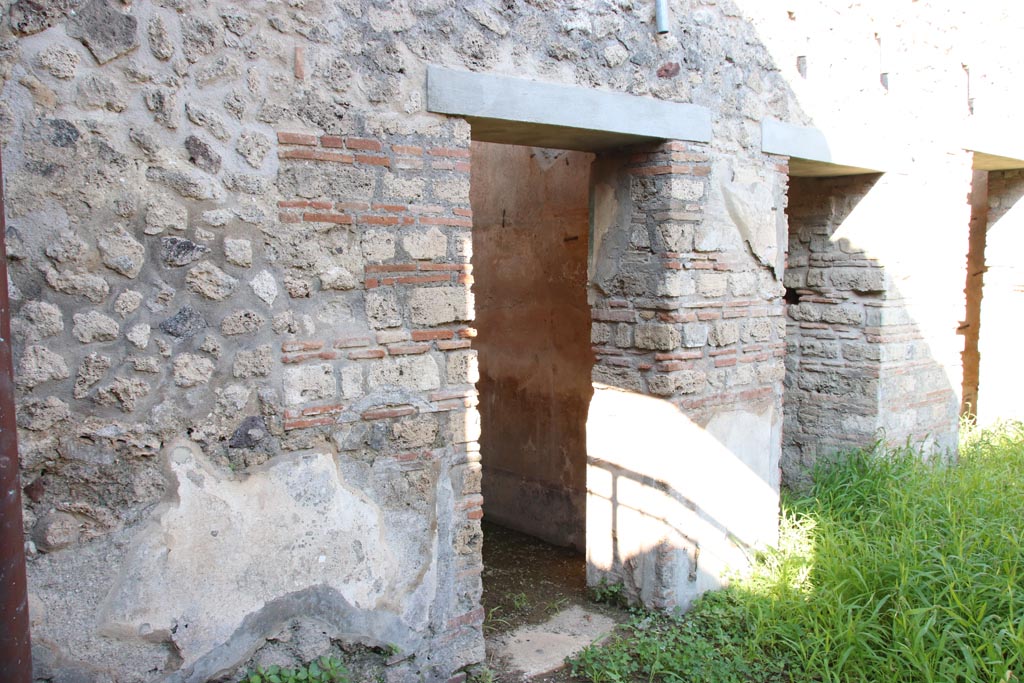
530 252
871 345
239 252
684 427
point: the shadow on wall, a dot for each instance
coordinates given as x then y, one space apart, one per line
872 352
673 507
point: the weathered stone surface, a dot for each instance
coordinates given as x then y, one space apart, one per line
40 414
93 368
382 308
253 147
32 16
187 184
238 252
67 249
211 345
164 214
150 364
210 282
695 335
309 383
106 32
59 61
255 363
199 37
416 372
242 322
378 245
438 305
122 253
463 368
338 278
160 43
207 118
723 333
186 323
425 244
43 320
56 530
178 251
191 369
38 365
95 327
96 91
202 154
123 392
658 337
127 302
139 335
265 287
680 382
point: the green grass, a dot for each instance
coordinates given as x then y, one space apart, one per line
891 569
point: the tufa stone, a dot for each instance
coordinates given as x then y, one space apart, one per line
209 281
38 365
106 32
122 253
202 154
93 368
95 327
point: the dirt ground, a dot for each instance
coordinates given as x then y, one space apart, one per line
527 581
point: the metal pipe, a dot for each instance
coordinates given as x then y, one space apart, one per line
661 16
15 645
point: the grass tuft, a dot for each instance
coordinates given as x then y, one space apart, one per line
891 569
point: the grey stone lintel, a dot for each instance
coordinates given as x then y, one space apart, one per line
522 112
812 155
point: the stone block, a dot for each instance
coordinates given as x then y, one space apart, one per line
462 368
724 333
309 383
695 335
382 308
657 337
712 285
431 306
407 372
678 382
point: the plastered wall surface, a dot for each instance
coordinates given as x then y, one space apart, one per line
240 255
530 252
1000 376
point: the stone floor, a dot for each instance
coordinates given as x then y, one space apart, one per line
538 609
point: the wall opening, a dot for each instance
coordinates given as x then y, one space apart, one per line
530 252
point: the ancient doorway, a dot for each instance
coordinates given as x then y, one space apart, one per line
530 253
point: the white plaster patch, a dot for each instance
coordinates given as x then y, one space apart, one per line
219 549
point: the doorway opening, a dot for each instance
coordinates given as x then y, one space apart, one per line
531 224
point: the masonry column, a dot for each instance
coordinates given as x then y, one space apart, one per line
684 428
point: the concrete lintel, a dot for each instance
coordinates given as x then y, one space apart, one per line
996 144
518 111
813 153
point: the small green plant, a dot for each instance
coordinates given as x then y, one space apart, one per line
481 674
493 622
322 670
609 593
556 605
520 602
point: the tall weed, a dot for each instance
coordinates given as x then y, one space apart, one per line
892 569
